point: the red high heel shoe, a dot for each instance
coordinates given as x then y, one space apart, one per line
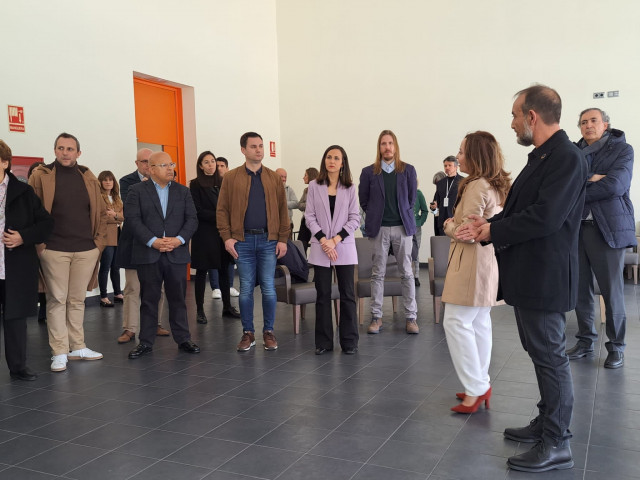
474 408
460 395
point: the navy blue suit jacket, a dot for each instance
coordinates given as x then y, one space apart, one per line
144 215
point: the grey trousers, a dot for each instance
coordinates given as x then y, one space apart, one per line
607 265
401 243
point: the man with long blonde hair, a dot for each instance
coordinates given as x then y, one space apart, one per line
387 193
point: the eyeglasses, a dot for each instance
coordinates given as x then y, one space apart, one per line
143 161
165 165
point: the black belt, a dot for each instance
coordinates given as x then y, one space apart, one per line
589 222
255 231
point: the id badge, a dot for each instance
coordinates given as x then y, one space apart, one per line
445 202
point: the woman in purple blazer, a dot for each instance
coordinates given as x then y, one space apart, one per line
332 215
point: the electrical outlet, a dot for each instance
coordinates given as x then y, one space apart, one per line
613 93
598 95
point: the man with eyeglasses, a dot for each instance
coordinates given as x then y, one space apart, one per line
162 219
131 301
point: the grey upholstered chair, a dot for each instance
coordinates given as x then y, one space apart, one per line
300 294
392 281
438 262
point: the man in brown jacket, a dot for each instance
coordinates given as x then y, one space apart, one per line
69 261
253 221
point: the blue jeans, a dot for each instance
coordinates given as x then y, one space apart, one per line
257 260
213 277
107 266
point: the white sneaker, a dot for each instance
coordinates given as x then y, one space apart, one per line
216 294
59 363
84 354
234 292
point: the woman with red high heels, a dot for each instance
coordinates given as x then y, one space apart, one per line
471 284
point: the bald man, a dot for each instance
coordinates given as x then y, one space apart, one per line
131 314
162 219
292 199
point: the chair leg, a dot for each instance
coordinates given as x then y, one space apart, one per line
336 308
628 269
394 302
437 306
603 315
296 319
361 310
635 274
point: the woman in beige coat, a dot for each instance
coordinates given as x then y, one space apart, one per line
471 284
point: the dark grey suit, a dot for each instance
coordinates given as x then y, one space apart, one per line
146 220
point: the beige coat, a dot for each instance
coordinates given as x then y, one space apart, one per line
472 274
43 181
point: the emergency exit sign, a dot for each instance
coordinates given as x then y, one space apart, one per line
16 118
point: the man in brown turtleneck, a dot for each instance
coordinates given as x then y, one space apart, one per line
69 261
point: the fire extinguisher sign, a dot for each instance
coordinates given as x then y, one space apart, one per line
16 118
272 149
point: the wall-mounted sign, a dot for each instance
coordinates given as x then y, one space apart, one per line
272 149
16 118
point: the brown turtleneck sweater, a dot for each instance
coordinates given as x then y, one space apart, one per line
71 211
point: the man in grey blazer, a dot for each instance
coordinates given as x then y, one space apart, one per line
163 219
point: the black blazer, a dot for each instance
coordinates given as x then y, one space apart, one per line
440 195
207 248
126 182
536 235
144 215
24 213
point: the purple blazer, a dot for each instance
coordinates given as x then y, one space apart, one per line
318 217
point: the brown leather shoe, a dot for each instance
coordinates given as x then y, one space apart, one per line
162 332
412 326
375 326
126 337
247 341
270 342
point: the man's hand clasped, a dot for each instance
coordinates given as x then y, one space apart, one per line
478 230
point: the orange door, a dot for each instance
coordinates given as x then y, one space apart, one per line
159 119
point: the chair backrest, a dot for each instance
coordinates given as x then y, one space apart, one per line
299 244
364 247
440 252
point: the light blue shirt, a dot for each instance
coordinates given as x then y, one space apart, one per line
163 195
388 167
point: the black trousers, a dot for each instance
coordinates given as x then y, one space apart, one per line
174 276
348 328
223 280
15 337
542 336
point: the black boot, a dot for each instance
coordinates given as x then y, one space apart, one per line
201 317
543 457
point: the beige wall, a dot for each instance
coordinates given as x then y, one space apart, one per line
433 71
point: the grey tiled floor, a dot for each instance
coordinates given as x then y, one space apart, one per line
381 414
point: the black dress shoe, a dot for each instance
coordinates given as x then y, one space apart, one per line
201 318
542 458
26 374
532 433
118 300
322 351
231 311
579 351
350 350
189 347
614 360
140 350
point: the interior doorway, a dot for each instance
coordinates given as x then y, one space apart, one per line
159 120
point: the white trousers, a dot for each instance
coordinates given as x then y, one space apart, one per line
468 331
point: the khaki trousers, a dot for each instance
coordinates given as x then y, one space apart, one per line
131 306
66 275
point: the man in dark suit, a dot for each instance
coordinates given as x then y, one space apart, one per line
131 307
446 193
536 241
163 219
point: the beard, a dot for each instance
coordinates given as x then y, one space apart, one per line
526 137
